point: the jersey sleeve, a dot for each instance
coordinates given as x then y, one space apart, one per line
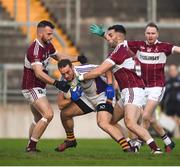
168 48
52 50
34 55
118 55
135 45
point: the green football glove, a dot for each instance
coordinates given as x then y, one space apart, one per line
98 30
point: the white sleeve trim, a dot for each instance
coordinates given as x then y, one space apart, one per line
38 62
110 61
172 51
55 53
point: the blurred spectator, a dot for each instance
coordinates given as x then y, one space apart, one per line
171 100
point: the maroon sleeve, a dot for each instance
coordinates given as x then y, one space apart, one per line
34 53
52 50
135 45
167 48
118 55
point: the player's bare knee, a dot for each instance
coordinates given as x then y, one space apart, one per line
113 122
48 116
129 124
37 119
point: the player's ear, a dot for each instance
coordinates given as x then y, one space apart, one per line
157 34
40 32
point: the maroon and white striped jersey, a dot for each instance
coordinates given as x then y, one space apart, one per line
152 59
36 54
124 67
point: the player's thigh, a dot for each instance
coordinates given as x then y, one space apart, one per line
104 117
131 113
36 113
118 113
150 107
72 110
79 107
43 106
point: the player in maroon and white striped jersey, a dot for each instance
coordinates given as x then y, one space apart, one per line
151 56
131 85
36 77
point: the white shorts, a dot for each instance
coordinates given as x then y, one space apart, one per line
133 96
33 94
154 93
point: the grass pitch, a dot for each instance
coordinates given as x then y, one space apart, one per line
89 152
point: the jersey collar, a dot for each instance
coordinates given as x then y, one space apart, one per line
39 42
153 44
122 43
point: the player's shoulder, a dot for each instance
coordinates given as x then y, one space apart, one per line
34 46
162 43
136 42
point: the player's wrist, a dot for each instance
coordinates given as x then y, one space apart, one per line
81 77
55 82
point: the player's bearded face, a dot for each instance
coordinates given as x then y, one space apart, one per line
67 72
47 35
151 35
111 38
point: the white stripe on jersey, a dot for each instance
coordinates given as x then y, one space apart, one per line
85 68
36 49
152 58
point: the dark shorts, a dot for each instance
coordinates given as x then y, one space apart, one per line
105 107
83 106
170 112
100 107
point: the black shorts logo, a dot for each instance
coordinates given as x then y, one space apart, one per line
40 91
105 107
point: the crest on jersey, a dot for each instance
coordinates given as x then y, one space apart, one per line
148 49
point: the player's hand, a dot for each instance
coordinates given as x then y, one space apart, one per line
76 93
82 59
62 85
98 30
80 77
110 92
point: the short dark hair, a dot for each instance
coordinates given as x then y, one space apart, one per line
152 24
45 23
64 62
118 28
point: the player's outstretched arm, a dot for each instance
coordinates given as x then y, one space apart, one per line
61 85
101 69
